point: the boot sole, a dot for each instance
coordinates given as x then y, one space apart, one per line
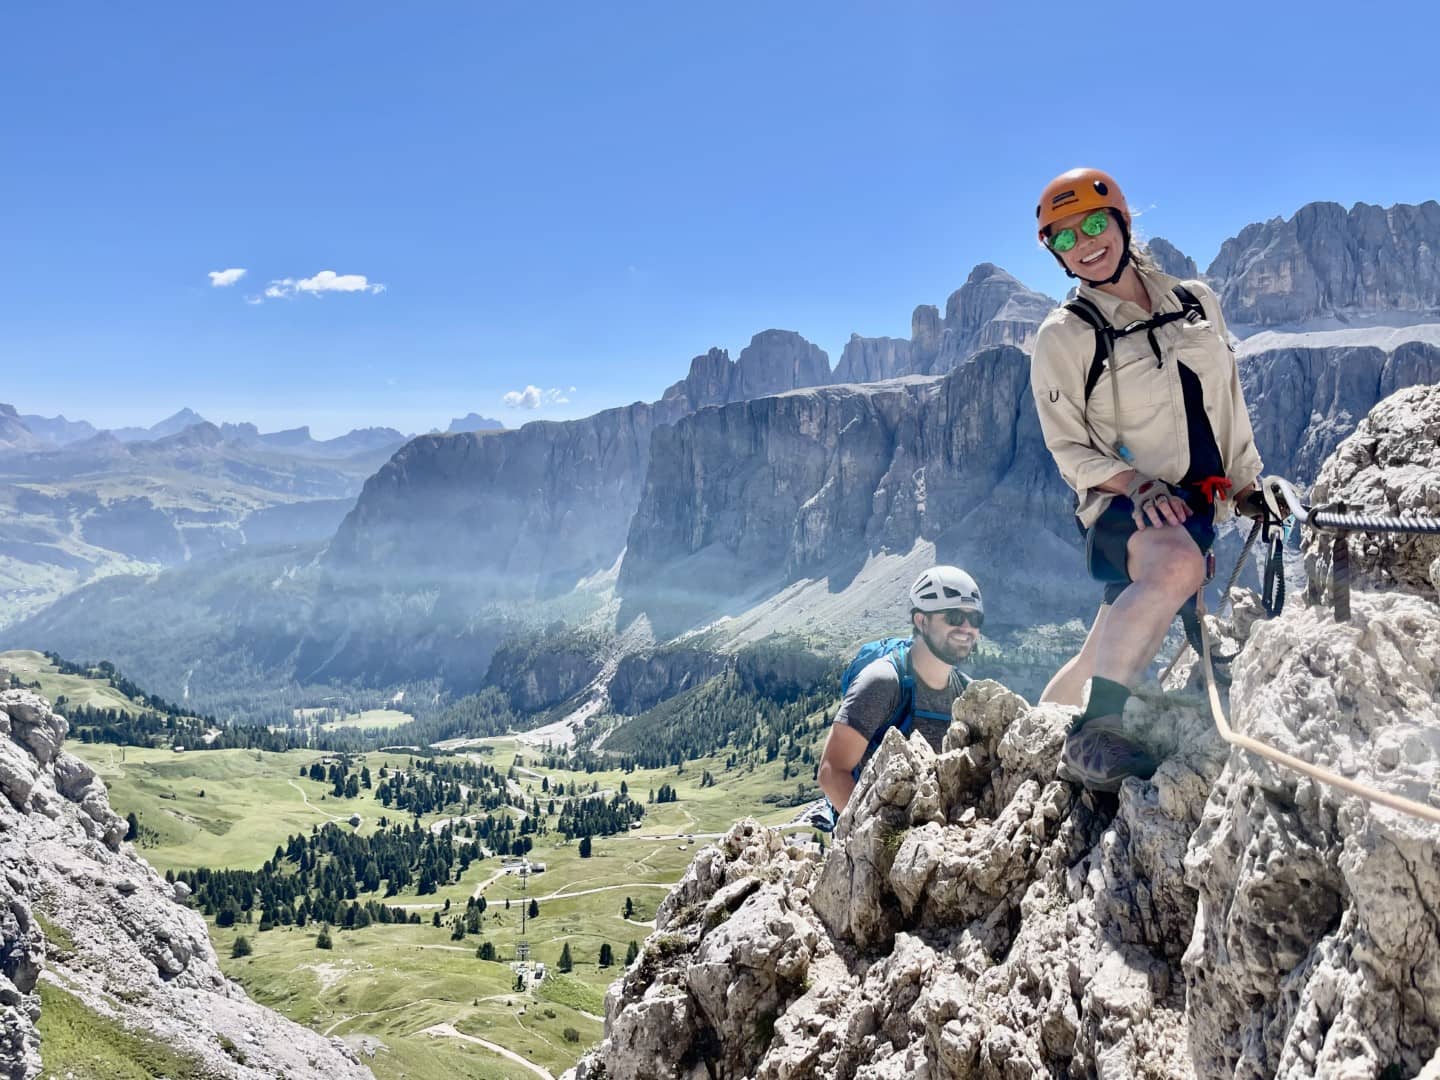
1107 785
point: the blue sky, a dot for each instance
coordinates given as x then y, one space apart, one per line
586 196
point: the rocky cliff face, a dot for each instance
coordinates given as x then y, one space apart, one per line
977 918
544 505
1304 401
643 680
1329 263
744 498
773 362
119 939
506 509
992 308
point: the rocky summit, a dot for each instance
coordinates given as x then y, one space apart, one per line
977 917
81 912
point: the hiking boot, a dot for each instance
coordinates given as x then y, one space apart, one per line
1097 755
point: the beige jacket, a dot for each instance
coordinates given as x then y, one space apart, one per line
1083 438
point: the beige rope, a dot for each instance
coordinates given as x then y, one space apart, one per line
1325 776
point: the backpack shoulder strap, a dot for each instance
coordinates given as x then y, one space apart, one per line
1086 309
904 716
1190 304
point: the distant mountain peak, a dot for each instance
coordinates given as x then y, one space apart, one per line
473 422
179 422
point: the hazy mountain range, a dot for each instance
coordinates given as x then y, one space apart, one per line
57 431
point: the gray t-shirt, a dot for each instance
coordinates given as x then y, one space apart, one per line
874 693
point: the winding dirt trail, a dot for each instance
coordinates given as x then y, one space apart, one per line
312 806
448 1031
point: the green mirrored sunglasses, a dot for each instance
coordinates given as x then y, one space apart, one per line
1094 224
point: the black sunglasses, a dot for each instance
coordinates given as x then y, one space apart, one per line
960 616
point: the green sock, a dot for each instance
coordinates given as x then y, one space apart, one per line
1106 697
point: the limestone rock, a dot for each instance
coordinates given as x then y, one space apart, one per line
1315 950
138 956
1389 467
973 918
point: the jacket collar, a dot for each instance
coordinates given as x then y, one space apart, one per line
1122 312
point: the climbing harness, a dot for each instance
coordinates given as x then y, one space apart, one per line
1283 501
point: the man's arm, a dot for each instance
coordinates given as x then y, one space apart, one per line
843 751
868 706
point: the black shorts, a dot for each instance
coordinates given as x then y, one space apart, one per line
1105 541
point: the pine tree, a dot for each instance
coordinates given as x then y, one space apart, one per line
534 909
629 907
631 952
133 824
240 948
607 955
566 964
322 940
585 846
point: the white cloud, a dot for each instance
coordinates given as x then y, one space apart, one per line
532 397
220 278
254 300
323 282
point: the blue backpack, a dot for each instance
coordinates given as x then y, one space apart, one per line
897 650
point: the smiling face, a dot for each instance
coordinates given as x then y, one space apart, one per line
951 644
1093 258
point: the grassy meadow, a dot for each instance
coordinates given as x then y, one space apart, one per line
32 667
420 1004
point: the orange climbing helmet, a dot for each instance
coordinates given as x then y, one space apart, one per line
1075 192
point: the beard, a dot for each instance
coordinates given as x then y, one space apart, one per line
949 653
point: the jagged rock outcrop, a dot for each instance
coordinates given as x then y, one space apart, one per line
130 950
773 362
1329 263
1171 259
1389 467
976 918
992 308
1316 951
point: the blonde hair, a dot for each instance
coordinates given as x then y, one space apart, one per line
1140 257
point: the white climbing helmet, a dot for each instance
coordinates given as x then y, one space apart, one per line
943 587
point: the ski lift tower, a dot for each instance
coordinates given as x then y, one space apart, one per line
522 946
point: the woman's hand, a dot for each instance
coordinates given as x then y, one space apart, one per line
1155 505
